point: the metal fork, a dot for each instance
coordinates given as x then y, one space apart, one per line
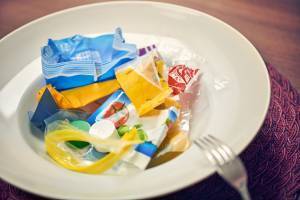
228 165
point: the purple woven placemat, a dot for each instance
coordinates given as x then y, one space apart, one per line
272 159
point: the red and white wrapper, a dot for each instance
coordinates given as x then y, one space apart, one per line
181 77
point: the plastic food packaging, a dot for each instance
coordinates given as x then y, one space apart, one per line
180 77
184 82
130 109
151 127
156 127
55 147
61 135
119 103
81 96
92 107
160 65
76 119
141 83
78 61
147 49
178 136
176 140
45 108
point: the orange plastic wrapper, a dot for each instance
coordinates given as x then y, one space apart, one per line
175 136
161 68
81 96
176 142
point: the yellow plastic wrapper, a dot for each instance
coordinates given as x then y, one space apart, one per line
161 69
169 102
68 160
81 96
142 85
160 66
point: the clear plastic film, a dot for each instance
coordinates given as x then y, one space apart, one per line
64 128
187 78
141 83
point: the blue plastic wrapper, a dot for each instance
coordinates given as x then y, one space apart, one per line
78 60
45 109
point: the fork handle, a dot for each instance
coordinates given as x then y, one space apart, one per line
244 192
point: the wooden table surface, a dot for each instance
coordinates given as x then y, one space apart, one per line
273 26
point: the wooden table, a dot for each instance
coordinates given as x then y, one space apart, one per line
273 26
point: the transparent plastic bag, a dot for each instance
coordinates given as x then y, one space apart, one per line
141 83
191 93
60 131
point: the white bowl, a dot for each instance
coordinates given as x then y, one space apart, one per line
235 113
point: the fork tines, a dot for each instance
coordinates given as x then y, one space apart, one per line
215 150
